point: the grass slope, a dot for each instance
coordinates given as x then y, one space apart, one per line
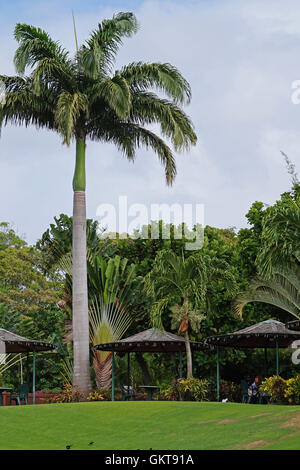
145 425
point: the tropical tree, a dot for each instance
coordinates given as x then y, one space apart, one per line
111 284
9 238
26 292
185 317
280 234
56 242
84 98
281 290
182 286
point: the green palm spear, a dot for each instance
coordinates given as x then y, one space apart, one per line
84 98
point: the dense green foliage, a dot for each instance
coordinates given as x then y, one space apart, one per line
35 292
28 304
187 389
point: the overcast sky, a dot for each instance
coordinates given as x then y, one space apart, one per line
240 57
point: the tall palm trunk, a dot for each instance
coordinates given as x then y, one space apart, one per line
189 363
80 317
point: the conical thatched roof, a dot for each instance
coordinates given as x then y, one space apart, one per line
152 340
17 344
261 335
293 325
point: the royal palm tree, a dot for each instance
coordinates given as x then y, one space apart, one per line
83 98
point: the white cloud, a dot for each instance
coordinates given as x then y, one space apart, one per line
240 58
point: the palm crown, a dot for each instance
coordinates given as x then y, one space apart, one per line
84 98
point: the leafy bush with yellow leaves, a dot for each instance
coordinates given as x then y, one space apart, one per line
69 394
187 389
95 396
275 387
292 393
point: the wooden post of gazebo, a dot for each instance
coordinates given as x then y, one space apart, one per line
33 378
128 372
113 376
277 359
218 374
180 364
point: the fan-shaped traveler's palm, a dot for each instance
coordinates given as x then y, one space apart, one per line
85 99
110 287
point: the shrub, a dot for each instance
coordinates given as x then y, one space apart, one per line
142 396
231 391
292 393
171 392
95 396
105 393
197 389
50 390
212 389
69 394
275 387
187 389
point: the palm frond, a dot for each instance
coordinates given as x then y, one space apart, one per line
148 108
281 290
128 137
23 107
115 92
35 45
165 77
9 360
67 370
69 108
58 74
102 46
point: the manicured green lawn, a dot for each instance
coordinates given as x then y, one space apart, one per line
145 425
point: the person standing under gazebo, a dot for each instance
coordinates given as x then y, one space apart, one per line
254 389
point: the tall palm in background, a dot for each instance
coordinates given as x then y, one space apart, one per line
83 98
183 285
173 283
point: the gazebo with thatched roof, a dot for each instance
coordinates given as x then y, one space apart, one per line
13 343
151 340
266 334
